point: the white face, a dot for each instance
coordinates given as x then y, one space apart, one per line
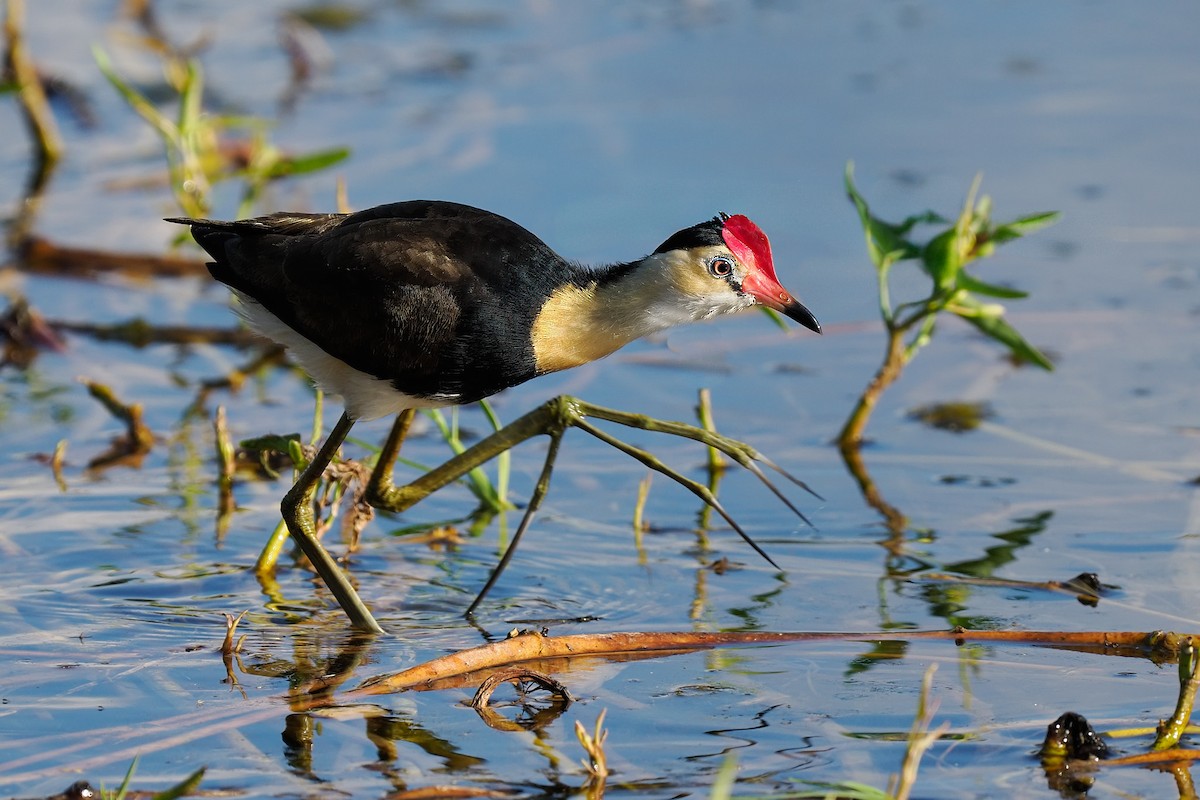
706 280
581 324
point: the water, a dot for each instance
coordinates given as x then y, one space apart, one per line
604 128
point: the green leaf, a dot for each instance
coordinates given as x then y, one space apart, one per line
136 100
310 162
972 284
775 317
885 242
924 218
994 325
503 461
123 789
726 777
1024 226
942 258
190 96
476 479
185 787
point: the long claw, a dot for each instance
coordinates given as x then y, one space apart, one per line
762 476
796 481
698 489
742 453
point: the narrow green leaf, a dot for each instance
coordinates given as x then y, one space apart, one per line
476 479
775 317
123 789
842 790
1024 226
924 218
190 97
503 461
973 284
883 238
185 787
995 326
726 777
309 162
134 98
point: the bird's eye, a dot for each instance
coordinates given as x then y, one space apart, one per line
720 267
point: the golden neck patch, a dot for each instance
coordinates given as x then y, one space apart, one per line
581 324
563 335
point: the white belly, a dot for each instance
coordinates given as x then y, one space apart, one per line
365 396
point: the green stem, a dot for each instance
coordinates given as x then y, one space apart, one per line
1170 731
894 361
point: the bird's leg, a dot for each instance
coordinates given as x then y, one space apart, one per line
383 494
381 476
535 502
297 508
553 418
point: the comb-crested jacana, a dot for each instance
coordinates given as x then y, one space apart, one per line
422 304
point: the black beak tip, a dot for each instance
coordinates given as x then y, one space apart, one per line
796 311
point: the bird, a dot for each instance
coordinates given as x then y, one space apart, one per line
428 303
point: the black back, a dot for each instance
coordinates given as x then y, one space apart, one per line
436 297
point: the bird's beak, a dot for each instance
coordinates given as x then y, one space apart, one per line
771 294
795 310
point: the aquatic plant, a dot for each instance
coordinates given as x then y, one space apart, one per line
944 258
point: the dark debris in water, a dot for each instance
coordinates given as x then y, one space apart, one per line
1088 588
978 481
1072 737
80 790
956 417
1070 740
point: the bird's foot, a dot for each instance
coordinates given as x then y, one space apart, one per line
553 418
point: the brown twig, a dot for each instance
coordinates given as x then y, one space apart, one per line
41 255
56 464
138 439
533 646
139 333
517 676
447 792
34 107
228 646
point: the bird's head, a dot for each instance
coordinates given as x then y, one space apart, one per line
725 264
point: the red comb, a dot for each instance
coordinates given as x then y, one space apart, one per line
749 244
